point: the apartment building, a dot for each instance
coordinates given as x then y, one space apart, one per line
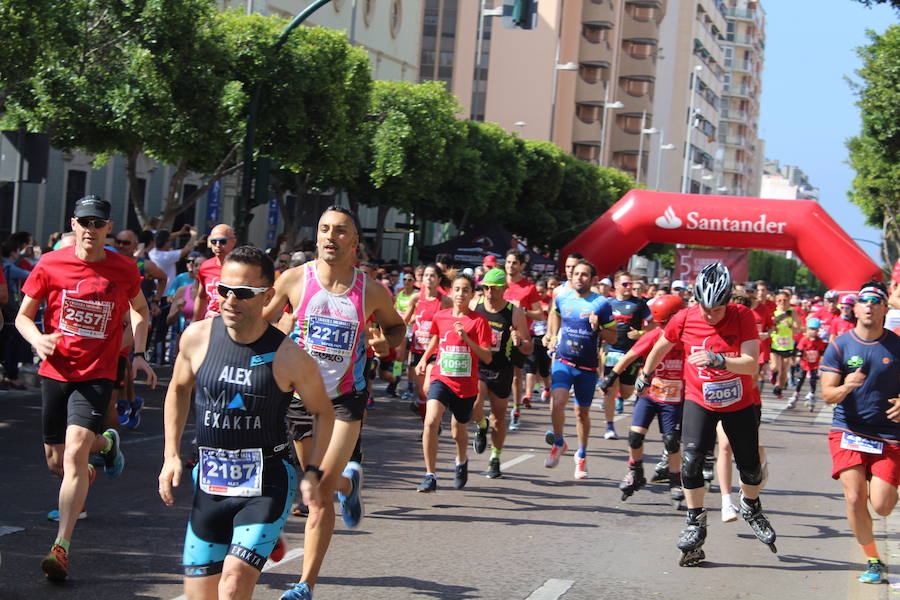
744 48
787 182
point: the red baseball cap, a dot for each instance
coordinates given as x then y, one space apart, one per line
490 260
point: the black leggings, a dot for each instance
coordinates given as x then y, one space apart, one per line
813 380
698 437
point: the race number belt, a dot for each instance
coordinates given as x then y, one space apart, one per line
539 327
331 335
231 472
720 394
851 441
85 318
667 391
569 363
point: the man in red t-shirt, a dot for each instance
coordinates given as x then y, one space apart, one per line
763 312
221 241
87 290
721 346
522 293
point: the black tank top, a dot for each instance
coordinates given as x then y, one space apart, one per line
238 403
502 339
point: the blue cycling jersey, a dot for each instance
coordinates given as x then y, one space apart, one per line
578 342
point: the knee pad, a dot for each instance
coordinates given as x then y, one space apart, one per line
672 441
692 468
635 439
751 476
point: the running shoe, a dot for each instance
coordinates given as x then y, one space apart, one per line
123 409
773 377
278 551
429 484
875 573
370 403
514 422
56 564
462 476
113 459
300 510
729 512
405 395
792 402
810 400
580 468
545 396
134 416
391 390
555 453
493 471
351 504
777 391
479 442
526 400
53 515
620 405
610 434
300 591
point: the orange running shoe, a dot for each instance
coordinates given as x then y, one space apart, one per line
56 564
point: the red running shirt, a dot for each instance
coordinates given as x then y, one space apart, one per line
208 275
811 351
718 390
524 293
87 303
667 384
457 365
421 332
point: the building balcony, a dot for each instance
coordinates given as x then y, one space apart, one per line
630 65
733 114
590 93
734 166
594 52
739 90
739 65
743 14
732 140
585 133
598 11
633 28
745 40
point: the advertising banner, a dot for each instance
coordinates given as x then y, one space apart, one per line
690 261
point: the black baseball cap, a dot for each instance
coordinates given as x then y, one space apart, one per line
92 206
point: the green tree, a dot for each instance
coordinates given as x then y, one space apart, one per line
870 3
171 79
411 139
536 216
875 153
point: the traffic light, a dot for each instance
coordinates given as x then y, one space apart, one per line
523 13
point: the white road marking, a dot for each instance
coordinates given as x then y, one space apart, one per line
288 556
551 590
515 461
7 529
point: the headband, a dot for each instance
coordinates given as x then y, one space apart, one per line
873 291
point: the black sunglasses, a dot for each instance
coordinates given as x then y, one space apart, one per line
241 292
219 241
89 222
122 242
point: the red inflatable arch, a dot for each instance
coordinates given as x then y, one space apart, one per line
802 226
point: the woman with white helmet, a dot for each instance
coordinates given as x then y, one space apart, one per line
721 346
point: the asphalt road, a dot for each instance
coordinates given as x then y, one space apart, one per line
535 534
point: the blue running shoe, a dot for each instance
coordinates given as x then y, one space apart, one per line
134 417
300 591
875 573
620 405
124 411
113 459
351 505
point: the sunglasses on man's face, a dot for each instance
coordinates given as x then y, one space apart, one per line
219 241
123 242
872 300
89 222
241 292
625 283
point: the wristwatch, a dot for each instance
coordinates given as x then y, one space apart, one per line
313 469
141 354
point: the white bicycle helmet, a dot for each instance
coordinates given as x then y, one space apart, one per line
713 286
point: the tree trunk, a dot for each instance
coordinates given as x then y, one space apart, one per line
379 228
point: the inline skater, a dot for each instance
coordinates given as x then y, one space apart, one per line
861 378
578 320
663 400
721 345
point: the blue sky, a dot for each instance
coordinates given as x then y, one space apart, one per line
807 109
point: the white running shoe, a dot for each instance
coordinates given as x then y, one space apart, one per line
610 435
580 468
555 452
792 402
729 512
810 400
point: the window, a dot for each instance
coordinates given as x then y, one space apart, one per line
396 17
631 122
642 13
636 86
626 160
586 152
76 187
640 49
587 113
593 73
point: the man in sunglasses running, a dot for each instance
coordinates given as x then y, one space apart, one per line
860 376
221 241
88 290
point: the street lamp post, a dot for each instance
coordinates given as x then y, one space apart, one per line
569 66
685 186
644 131
659 160
482 14
607 105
